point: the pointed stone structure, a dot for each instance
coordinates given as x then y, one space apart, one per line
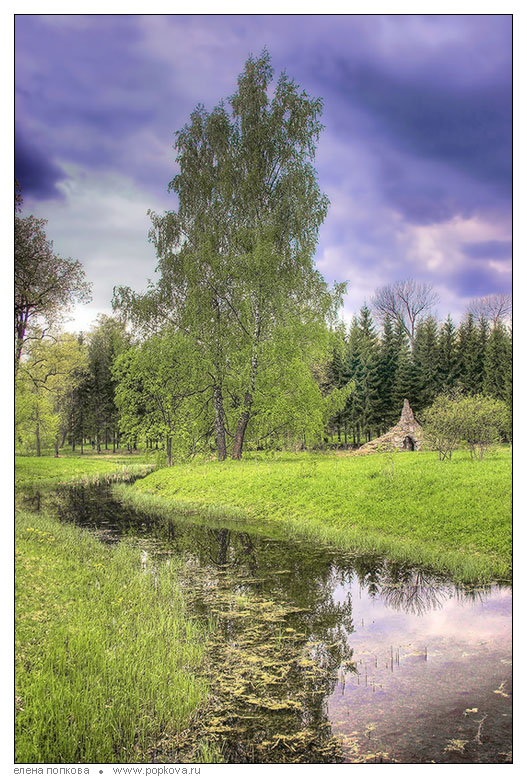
407 435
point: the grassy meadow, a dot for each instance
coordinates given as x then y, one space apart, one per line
108 663
454 516
48 471
107 660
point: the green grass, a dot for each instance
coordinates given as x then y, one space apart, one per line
49 471
454 516
107 660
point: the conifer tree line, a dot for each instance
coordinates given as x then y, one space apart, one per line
384 368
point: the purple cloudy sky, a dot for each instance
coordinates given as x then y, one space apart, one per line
415 157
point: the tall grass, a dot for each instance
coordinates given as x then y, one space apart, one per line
107 660
454 516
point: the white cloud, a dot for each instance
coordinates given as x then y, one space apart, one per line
101 221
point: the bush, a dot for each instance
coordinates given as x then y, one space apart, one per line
478 420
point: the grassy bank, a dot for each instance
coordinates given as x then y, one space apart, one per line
50 471
107 660
454 516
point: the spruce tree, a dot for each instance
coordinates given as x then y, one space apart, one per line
388 360
351 367
405 387
447 355
498 363
368 375
466 363
426 363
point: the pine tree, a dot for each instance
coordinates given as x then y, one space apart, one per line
477 362
389 355
405 387
337 378
426 363
498 363
466 363
351 368
447 355
368 375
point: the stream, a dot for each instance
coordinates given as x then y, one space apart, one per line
322 656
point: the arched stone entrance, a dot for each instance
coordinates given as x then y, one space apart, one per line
409 443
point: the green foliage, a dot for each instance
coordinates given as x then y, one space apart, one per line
485 423
442 425
425 363
478 420
447 354
236 259
164 393
497 380
45 380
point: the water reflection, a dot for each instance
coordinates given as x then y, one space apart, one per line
319 655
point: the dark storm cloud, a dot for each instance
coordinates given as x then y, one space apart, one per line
36 173
87 89
415 155
467 128
475 281
441 151
488 249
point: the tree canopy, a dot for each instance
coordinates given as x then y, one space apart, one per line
236 258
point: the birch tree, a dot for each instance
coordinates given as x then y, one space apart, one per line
236 258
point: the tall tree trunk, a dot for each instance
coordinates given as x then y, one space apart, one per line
56 448
21 327
113 442
169 450
98 443
241 427
245 415
220 424
37 435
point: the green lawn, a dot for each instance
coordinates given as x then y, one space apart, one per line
454 515
47 471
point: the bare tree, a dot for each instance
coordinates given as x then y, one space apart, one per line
406 302
492 307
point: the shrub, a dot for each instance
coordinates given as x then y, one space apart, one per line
479 420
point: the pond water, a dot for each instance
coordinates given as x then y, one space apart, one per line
324 656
